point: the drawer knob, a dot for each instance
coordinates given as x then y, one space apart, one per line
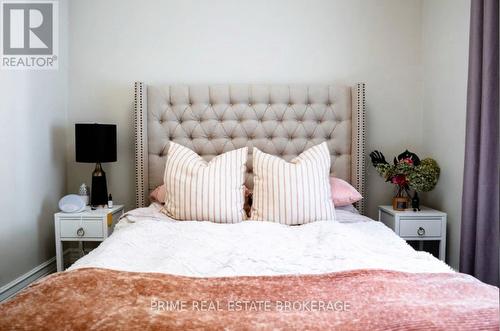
421 231
80 232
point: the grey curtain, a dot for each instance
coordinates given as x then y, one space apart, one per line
480 232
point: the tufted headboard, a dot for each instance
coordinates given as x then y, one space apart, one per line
283 120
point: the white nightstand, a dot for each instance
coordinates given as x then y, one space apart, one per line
89 225
422 227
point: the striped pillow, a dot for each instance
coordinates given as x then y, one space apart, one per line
205 191
295 192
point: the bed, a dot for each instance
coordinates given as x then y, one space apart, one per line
156 273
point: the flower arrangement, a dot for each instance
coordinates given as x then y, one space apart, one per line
407 172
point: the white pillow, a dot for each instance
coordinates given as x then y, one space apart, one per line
295 192
205 191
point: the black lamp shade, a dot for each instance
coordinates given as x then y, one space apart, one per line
95 143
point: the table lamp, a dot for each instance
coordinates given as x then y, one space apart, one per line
96 143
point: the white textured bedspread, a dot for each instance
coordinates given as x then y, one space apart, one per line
148 241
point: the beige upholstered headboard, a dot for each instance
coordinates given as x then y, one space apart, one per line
283 120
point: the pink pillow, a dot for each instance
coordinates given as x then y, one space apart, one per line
158 194
343 194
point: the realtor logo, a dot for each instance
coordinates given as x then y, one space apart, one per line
29 34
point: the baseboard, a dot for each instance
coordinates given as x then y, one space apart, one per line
44 269
22 281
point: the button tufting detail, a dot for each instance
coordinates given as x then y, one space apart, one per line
282 124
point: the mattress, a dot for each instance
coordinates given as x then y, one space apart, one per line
145 240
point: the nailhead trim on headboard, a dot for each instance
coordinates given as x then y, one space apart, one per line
140 130
359 146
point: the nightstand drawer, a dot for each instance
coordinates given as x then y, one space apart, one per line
423 230
76 228
411 227
89 225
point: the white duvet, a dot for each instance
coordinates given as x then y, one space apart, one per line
148 241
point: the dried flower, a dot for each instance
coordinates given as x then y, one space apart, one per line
399 180
408 171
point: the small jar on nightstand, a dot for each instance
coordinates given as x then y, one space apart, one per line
88 225
423 230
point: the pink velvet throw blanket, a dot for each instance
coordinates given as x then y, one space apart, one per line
102 299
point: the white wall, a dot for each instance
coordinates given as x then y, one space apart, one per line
33 162
445 32
115 42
